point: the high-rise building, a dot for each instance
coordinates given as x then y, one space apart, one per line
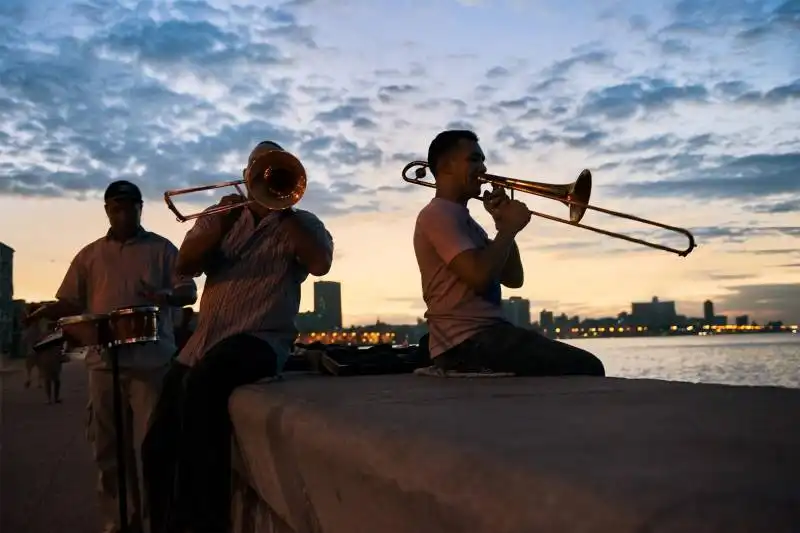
546 321
708 311
7 314
517 311
742 320
328 303
654 314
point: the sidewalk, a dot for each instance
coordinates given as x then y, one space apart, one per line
47 476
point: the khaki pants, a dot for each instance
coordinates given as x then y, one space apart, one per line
31 363
140 390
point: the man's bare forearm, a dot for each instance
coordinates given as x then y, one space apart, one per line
58 309
513 275
315 255
495 256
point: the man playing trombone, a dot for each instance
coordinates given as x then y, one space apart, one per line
462 271
255 260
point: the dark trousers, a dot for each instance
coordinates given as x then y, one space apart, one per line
508 348
186 454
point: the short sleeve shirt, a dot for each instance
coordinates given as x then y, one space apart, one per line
445 229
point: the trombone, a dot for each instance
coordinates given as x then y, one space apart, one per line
574 195
275 179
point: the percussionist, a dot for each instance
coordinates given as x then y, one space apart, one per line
128 266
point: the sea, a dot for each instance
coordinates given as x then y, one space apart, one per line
765 359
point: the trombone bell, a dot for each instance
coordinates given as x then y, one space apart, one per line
574 195
275 180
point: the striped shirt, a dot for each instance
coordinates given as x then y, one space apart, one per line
255 289
108 274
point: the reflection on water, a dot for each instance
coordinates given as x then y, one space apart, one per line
764 359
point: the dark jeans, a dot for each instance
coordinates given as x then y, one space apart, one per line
186 454
507 348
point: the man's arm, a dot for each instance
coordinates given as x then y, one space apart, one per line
513 275
477 267
54 311
312 241
182 289
200 250
71 295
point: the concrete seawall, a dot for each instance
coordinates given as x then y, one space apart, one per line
411 454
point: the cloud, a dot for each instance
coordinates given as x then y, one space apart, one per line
750 176
771 251
591 58
785 206
149 99
648 95
175 94
775 301
497 72
779 95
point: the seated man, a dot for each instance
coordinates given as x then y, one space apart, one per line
255 260
462 271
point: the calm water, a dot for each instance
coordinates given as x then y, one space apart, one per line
761 359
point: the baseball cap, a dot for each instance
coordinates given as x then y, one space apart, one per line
123 190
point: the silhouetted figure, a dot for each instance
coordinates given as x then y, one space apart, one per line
462 271
255 260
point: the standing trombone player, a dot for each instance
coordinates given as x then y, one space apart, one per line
255 252
462 271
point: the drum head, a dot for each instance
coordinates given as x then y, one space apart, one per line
134 310
53 338
76 319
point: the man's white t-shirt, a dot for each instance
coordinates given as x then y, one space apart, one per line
444 229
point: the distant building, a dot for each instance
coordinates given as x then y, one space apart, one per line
517 311
7 314
309 321
708 311
328 303
546 321
654 314
742 320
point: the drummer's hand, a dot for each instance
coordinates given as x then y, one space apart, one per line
154 296
30 318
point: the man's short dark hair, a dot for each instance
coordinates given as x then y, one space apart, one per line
444 143
123 190
273 144
265 144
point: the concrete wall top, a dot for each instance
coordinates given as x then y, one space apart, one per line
413 454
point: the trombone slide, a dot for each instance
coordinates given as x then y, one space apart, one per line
575 195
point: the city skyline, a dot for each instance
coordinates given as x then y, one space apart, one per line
684 110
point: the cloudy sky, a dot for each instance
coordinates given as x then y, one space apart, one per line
686 112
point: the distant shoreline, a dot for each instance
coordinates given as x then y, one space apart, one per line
674 334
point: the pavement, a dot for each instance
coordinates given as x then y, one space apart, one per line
47 474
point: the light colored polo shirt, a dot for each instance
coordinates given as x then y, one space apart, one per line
107 275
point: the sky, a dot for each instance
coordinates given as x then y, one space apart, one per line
686 112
